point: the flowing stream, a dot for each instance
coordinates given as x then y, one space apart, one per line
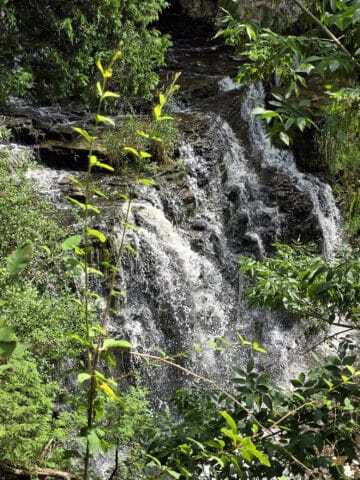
230 193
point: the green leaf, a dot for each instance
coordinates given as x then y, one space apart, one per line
162 99
99 193
230 421
141 133
112 343
104 166
95 233
102 119
284 137
94 271
84 134
157 112
6 334
77 203
71 242
99 89
18 260
145 154
132 150
93 442
146 181
172 473
110 94
7 348
109 392
83 376
100 67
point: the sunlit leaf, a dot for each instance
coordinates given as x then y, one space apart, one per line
95 233
19 259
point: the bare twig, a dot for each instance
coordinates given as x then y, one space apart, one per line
348 329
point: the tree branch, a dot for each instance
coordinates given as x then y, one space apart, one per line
40 472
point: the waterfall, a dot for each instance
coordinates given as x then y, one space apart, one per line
324 208
230 193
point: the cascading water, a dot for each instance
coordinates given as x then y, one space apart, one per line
231 194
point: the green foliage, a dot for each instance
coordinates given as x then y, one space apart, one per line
26 424
294 63
317 289
339 144
156 136
268 431
97 388
50 50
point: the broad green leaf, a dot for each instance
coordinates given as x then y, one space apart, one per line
99 89
146 181
102 119
141 133
301 123
83 376
100 67
162 99
95 271
230 421
71 242
19 259
105 166
217 460
145 154
93 442
77 203
112 343
99 193
93 160
253 451
84 134
75 181
334 65
250 32
154 460
108 391
6 334
95 233
172 473
157 112
284 137
93 209
7 348
132 150
289 122
123 196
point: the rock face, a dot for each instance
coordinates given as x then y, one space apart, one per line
199 9
258 10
